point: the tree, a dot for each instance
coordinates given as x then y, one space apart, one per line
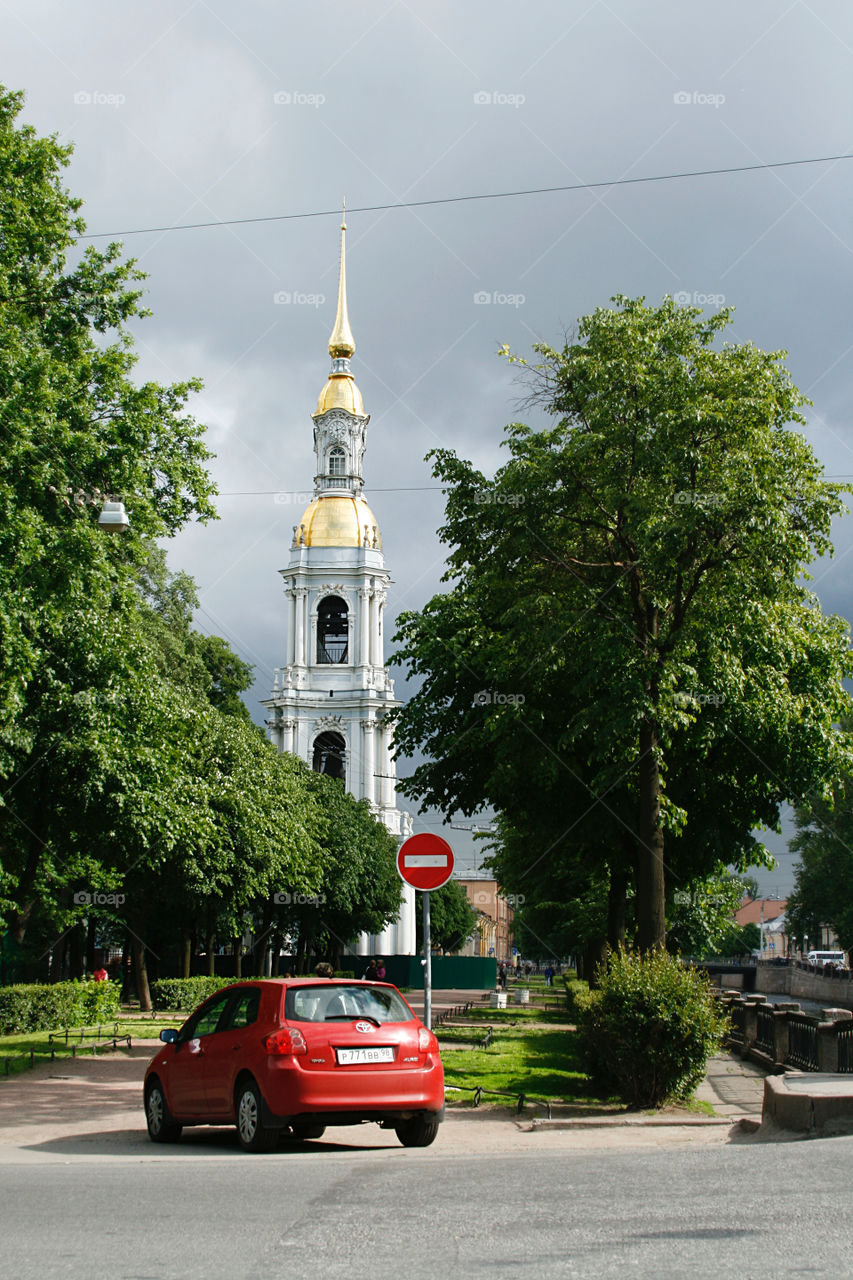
452 919
359 890
628 594
73 426
823 878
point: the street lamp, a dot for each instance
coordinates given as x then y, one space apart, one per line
113 517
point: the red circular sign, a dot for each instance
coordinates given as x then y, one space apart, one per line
425 861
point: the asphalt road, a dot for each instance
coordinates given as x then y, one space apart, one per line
745 1209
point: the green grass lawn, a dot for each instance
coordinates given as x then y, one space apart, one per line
540 1062
138 1026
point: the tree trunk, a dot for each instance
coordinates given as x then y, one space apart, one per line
594 956
91 933
617 901
651 889
77 950
211 963
238 957
140 973
187 956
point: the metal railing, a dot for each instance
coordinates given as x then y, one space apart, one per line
802 1042
765 1031
738 1024
845 1049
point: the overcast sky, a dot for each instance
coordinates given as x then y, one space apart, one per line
202 112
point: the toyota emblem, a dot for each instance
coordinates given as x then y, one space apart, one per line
364 1026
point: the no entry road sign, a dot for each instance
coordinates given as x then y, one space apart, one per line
425 861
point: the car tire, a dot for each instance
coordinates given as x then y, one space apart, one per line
302 1132
161 1126
421 1131
252 1133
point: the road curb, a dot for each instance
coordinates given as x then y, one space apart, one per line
635 1122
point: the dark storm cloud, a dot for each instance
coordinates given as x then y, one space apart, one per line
204 112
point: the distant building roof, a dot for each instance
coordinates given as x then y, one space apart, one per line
750 911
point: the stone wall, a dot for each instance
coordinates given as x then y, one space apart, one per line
802 984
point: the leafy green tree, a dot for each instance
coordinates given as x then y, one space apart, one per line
73 425
359 891
823 878
628 593
452 919
700 920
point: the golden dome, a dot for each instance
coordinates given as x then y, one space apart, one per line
337 521
340 392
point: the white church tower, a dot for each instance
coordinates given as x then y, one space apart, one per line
330 701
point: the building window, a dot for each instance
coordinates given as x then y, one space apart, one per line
330 755
337 462
332 625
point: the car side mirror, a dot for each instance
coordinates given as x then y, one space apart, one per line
168 1035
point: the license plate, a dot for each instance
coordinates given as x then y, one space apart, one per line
352 1057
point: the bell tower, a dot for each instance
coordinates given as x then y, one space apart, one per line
331 699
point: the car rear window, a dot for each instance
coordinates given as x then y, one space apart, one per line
337 1001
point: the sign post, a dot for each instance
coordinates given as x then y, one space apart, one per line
425 862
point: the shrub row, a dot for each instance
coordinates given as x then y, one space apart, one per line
53 1006
185 994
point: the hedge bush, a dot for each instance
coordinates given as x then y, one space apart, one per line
577 996
185 994
651 1027
53 1006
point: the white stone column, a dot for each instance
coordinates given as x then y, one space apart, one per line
291 631
375 640
301 596
406 935
368 758
386 768
287 727
363 626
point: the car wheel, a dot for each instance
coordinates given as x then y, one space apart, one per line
161 1126
305 1131
418 1132
251 1130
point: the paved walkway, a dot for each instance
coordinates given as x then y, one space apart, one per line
734 1087
91 1107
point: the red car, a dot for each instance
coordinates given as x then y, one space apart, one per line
291 1056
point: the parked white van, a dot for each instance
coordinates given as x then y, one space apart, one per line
835 958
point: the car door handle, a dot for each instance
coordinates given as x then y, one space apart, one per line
235 1047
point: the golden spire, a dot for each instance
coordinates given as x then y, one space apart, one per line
342 343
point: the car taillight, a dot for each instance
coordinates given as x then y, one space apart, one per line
427 1042
288 1040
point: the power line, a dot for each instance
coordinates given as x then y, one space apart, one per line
303 493
481 195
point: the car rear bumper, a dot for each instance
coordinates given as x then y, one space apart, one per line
384 1116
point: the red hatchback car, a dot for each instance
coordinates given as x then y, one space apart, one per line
291 1056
